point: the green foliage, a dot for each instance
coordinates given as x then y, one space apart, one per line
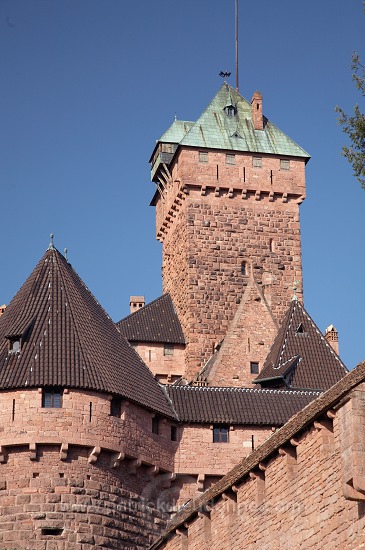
354 126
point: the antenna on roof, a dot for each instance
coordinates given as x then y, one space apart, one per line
236 45
51 245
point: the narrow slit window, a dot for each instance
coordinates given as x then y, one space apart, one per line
54 531
156 425
243 268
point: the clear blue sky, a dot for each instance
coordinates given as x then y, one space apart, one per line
87 86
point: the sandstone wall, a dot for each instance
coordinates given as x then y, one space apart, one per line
307 492
76 477
216 231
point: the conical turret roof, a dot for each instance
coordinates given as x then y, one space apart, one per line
68 340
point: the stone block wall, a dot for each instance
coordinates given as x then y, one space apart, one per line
301 489
76 476
166 368
216 233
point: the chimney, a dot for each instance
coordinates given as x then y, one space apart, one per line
331 335
2 309
257 118
136 303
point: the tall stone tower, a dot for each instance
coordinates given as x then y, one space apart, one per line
227 202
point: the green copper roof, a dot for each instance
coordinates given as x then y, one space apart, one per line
176 132
215 130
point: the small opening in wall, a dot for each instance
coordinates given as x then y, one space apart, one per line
254 367
243 268
54 531
61 474
88 476
173 433
35 474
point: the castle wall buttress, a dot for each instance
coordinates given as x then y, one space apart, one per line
219 224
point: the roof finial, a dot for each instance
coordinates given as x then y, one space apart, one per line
51 245
175 117
65 254
295 288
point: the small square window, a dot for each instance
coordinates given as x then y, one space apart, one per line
220 433
230 159
203 156
254 367
257 162
168 349
52 398
284 164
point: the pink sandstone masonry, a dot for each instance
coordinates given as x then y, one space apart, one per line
303 488
216 228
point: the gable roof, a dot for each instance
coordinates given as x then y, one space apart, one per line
215 130
68 340
237 405
155 322
300 356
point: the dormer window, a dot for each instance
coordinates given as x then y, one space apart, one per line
14 344
230 110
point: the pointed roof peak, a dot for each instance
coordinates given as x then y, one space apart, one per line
300 356
68 340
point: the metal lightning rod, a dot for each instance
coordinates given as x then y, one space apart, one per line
237 45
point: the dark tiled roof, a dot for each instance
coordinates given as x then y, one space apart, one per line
300 357
237 405
280 438
156 322
68 340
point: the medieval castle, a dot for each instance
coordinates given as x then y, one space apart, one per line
217 416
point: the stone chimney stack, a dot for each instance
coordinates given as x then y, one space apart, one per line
331 335
2 309
135 303
257 117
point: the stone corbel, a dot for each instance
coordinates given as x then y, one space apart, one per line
230 193
200 482
2 455
134 465
152 471
271 196
63 451
168 478
32 451
116 459
257 195
285 197
244 194
217 191
203 190
93 456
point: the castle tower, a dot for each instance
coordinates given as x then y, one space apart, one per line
227 202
